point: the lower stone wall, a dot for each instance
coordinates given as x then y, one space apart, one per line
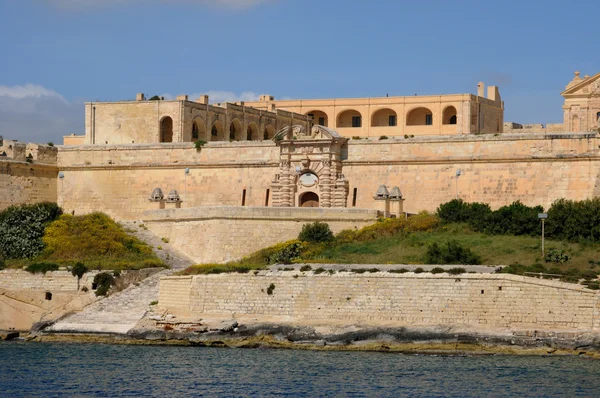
22 182
489 301
221 234
24 300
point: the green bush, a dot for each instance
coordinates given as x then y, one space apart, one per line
270 289
419 270
103 282
556 256
514 219
95 239
456 271
459 211
316 232
199 144
450 253
571 220
438 270
41 268
320 271
78 270
398 271
305 268
22 228
286 253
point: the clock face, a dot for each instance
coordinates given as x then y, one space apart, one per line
308 180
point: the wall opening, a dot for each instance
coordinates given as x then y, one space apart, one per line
267 198
198 129
419 117
166 129
244 197
48 296
349 118
216 133
354 192
309 199
319 117
384 117
269 133
235 130
252 132
449 116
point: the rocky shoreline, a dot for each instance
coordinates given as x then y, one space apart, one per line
431 340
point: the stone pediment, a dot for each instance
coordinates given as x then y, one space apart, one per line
298 132
583 87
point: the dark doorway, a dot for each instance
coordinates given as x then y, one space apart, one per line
166 130
309 199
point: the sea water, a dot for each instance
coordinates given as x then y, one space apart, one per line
103 370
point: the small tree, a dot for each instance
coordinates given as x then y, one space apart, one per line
78 270
316 232
103 282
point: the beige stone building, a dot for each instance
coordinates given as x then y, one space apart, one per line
581 109
399 116
160 121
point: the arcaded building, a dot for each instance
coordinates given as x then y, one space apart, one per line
398 116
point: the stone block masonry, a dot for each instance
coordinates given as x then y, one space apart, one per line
481 301
220 234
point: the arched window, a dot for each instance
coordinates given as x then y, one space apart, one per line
252 132
449 116
384 117
235 130
198 130
319 117
216 132
269 132
419 117
166 129
349 118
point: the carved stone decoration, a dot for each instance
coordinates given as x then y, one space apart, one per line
156 195
320 174
173 197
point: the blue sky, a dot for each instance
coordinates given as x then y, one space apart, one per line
56 54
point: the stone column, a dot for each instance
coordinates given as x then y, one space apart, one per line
325 184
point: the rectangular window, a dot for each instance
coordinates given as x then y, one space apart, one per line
429 120
322 121
392 120
356 121
267 198
354 197
244 197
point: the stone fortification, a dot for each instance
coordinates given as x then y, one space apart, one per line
220 234
476 301
27 173
533 168
27 298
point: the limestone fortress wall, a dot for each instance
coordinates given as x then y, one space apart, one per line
474 301
533 168
27 173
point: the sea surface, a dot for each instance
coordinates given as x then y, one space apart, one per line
102 370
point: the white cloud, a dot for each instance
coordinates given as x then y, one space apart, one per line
33 113
28 91
80 4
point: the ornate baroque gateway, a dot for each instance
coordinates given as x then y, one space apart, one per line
310 168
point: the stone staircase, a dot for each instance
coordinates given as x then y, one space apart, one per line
120 312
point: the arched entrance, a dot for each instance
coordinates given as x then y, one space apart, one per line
309 199
166 129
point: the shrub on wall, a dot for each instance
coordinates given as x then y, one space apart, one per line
285 253
22 228
450 253
459 211
316 232
41 268
103 282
